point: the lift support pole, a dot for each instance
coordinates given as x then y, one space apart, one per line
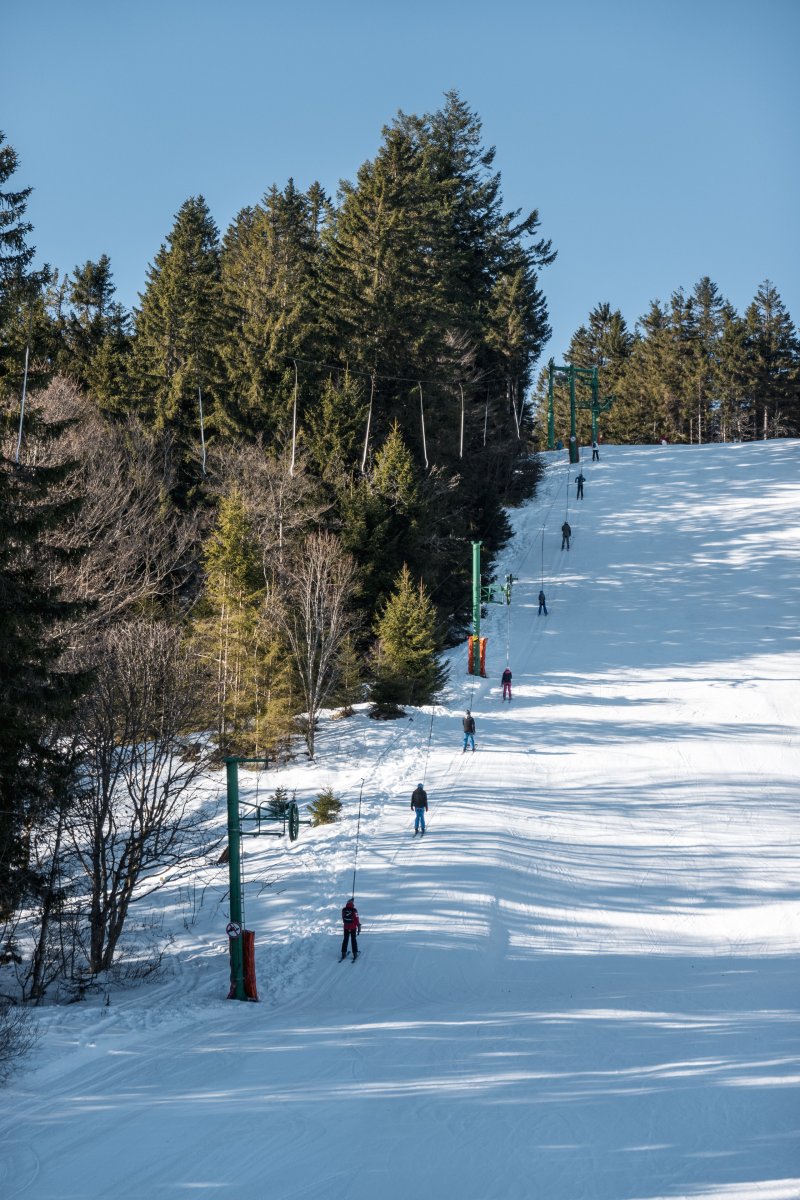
235 876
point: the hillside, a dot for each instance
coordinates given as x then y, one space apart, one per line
582 983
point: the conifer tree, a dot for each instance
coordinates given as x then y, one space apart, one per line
708 306
335 428
490 263
658 390
228 629
325 808
427 277
24 326
96 335
37 690
268 282
774 364
15 253
408 670
379 287
641 411
176 344
734 381
380 515
603 342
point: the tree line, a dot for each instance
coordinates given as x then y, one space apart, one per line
692 370
247 500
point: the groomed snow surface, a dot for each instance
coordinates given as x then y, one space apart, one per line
582 983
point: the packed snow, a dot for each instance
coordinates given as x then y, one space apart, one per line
581 983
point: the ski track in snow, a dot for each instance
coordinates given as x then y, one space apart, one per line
581 984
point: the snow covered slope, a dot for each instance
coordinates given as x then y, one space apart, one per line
582 983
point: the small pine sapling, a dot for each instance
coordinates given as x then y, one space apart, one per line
325 809
278 803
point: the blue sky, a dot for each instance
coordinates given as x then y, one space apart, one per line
659 142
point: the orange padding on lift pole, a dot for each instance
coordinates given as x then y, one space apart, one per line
472 642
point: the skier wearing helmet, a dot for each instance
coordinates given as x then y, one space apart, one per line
352 926
469 730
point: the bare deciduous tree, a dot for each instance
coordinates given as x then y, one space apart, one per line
17 1035
281 506
131 820
315 617
134 548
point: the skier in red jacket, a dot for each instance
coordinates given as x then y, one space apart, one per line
352 926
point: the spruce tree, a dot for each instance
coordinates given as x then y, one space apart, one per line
24 325
335 428
407 670
736 408
37 691
15 253
380 519
96 335
325 808
774 364
268 288
176 344
603 342
227 631
641 412
490 261
709 318
380 291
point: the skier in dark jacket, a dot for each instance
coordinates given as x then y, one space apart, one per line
419 802
469 730
352 926
506 682
542 605
566 534
580 480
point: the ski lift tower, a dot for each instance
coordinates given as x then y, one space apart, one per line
595 405
248 823
481 596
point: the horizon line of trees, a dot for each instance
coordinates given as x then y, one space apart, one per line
692 370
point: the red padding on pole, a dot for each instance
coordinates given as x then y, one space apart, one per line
249 951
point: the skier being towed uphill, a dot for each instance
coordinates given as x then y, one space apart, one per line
352 926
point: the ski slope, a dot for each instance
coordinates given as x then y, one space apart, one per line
582 984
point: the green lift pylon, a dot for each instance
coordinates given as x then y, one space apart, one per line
481 596
596 405
255 820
